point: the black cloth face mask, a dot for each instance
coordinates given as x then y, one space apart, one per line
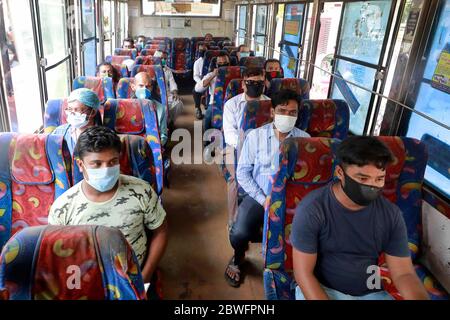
222 65
361 194
254 88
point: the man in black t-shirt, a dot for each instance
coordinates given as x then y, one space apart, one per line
340 230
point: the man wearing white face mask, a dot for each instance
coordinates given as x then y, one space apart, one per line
106 197
256 165
82 106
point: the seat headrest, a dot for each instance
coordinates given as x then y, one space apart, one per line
128 117
29 164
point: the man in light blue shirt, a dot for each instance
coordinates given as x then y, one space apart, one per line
257 164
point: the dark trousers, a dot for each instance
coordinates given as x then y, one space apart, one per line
197 98
247 227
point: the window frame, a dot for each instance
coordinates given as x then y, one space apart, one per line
181 16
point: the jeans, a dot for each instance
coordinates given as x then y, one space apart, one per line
337 295
249 220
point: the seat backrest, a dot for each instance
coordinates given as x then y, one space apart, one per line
157 74
301 86
229 49
254 62
298 174
38 263
224 76
137 117
217 39
324 118
136 159
116 59
147 52
132 53
122 70
33 173
55 116
233 89
103 87
181 54
207 59
148 60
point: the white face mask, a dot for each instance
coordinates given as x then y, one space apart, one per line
76 120
103 179
283 123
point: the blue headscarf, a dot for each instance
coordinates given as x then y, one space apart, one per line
86 96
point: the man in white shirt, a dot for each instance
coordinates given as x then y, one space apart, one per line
233 112
175 103
258 162
209 80
197 73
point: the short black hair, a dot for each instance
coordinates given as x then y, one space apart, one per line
283 96
142 36
97 139
131 40
364 150
270 61
223 54
253 72
239 48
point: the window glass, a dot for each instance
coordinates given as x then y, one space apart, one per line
89 58
260 29
22 82
326 45
363 29
434 100
57 81
54 32
357 98
88 14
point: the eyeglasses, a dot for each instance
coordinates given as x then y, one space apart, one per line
254 82
284 112
71 110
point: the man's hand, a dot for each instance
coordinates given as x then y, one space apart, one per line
175 95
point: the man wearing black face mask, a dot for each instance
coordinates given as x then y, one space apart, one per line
197 74
340 230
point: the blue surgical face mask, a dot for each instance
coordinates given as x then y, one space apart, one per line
143 93
103 179
163 62
244 54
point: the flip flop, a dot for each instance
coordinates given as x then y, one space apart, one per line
236 271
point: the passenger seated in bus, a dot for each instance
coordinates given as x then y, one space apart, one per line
128 43
106 69
339 231
197 74
233 112
106 197
175 103
208 37
243 52
144 88
82 106
209 80
141 41
257 164
273 70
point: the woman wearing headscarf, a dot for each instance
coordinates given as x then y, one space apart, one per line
82 107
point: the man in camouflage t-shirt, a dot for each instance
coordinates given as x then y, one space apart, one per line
105 197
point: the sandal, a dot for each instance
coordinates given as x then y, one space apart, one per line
234 269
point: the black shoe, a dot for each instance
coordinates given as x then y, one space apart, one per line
198 114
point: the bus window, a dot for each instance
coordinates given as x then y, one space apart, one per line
21 75
52 17
433 99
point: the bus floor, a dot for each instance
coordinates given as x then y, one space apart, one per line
194 263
